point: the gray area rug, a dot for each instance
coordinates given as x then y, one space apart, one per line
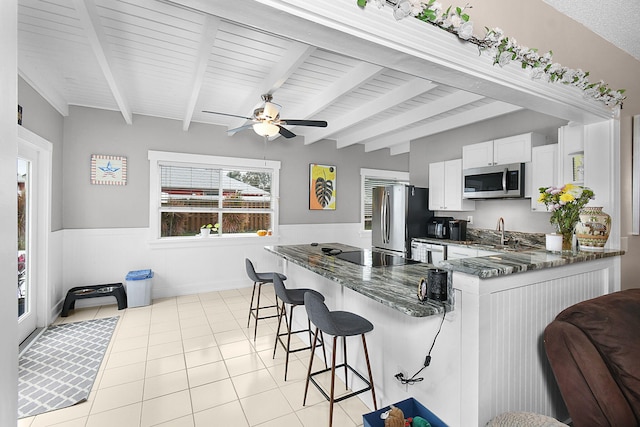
59 369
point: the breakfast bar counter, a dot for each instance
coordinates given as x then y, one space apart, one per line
487 350
394 286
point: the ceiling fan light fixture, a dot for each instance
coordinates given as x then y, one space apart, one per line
270 111
266 129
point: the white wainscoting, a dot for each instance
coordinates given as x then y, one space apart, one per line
97 256
504 366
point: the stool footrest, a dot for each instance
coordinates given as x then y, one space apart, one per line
264 317
346 396
295 350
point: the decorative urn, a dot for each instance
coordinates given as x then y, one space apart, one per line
593 229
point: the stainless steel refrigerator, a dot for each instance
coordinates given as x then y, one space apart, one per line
400 213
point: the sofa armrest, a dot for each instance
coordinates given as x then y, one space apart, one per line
591 394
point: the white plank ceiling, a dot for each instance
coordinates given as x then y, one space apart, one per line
155 58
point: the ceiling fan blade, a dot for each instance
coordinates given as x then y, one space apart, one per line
315 123
239 129
286 132
229 115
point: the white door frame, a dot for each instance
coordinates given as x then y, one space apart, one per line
41 227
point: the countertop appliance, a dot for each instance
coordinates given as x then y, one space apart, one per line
494 182
399 213
438 227
373 258
458 230
432 253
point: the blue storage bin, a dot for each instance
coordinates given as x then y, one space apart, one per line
139 275
138 286
410 408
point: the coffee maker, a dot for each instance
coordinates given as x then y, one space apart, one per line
458 230
438 227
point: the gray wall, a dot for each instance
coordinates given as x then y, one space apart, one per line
448 146
45 121
91 131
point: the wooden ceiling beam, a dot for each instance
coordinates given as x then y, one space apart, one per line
355 78
442 105
43 86
484 112
296 55
397 96
209 32
90 20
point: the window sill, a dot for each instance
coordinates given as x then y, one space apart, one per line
214 240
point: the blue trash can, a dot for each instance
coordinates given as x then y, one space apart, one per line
138 287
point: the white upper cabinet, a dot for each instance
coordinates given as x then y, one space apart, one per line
477 155
513 149
445 187
544 172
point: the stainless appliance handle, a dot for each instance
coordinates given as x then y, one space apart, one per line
504 179
387 217
383 214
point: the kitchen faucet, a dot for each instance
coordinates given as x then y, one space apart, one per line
500 228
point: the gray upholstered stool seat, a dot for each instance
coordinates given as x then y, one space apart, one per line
294 298
259 279
339 324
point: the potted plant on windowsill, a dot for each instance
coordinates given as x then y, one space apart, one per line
206 229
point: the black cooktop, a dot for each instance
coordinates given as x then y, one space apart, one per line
369 258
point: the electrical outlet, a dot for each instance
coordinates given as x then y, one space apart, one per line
470 219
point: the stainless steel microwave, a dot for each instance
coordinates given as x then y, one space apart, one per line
494 182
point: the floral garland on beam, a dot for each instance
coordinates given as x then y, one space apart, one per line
503 49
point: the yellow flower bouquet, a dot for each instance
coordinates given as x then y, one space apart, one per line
565 204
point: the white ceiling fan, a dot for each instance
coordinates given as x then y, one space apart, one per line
267 122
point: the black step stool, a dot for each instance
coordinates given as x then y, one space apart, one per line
81 292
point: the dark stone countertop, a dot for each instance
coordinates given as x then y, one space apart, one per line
511 262
511 259
393 286
396 286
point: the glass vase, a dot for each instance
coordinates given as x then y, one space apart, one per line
567 240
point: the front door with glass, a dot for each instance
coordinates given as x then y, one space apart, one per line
27 319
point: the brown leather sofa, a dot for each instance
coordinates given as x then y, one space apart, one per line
594 350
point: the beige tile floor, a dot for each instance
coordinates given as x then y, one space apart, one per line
191 361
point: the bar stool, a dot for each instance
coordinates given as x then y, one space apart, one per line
339 324
259 279
293 297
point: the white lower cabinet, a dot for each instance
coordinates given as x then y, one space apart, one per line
457 252
463 251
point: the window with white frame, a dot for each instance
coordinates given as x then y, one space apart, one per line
376 178
234 196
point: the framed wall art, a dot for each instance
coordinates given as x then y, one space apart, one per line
322 187
108 170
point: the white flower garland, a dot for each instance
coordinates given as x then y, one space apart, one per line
501 48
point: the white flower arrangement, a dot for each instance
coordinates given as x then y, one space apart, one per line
501 48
